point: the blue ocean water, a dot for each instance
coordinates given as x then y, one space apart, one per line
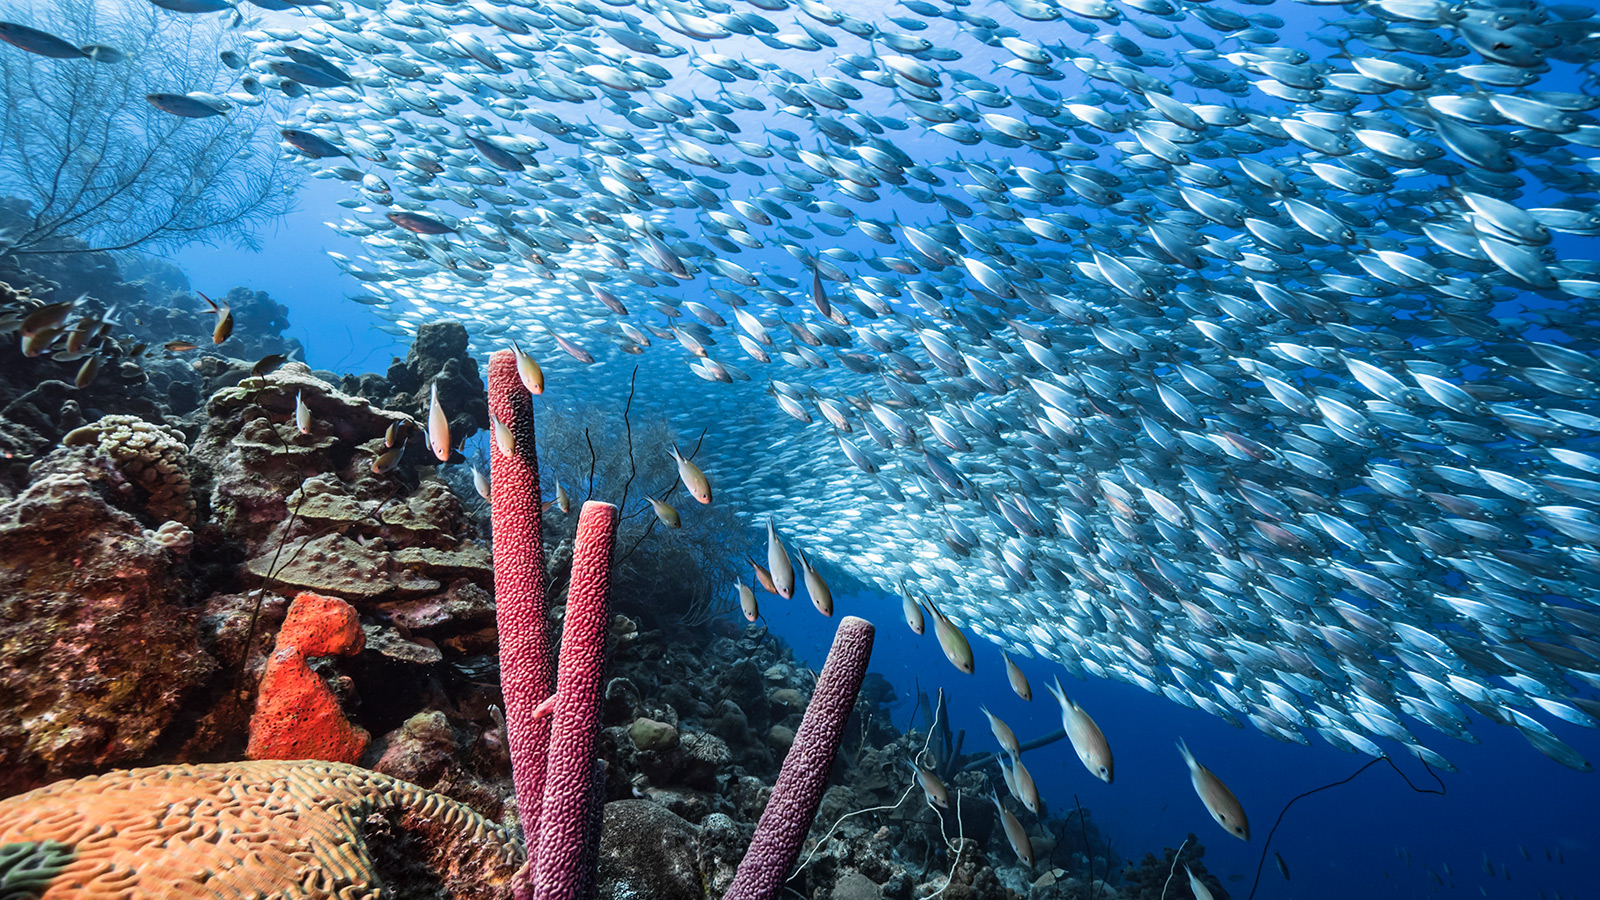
1371 837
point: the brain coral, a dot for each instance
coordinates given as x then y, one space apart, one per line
151 456
259 829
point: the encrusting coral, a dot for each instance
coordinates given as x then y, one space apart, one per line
153 457
297 716
254 829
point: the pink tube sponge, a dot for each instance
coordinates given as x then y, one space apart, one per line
795 798
568 823
527 666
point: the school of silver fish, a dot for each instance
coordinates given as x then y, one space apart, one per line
1263 379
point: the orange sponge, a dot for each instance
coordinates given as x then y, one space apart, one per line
321 626
297 716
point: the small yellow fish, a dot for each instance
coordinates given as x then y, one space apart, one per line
438 426
667 515
563 502
1019 681
480 481
1015 833
302 413
224 316
1087 740
778 564
1219 801
87 371
693 479
821 597
397 432
952 641
747 601
1002 733
913 613
528 370
932 787
504 440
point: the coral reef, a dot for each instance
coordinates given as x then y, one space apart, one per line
804 777
99 653
287 829
151 458
438 357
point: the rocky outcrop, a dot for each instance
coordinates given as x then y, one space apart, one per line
100 652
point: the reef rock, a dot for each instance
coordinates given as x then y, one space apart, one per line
438 358
647 851
99 655
311 512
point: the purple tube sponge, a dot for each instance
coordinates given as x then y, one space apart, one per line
795 798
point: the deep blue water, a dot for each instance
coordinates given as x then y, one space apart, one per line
1370 838
1340 843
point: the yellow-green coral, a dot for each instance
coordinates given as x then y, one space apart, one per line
152 456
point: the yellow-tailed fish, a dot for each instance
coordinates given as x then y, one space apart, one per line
564 503
667 515
528 370
503 438
224 316
1026 790
1219 801
913 613
778 564
1196 886
481 482
952 641
1087 739
821 597
1002 733
302 413
932 787
747 601
1019 681
1015 833
694 480
438 426
763 577
224 327
87 371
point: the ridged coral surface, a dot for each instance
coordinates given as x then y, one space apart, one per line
260 829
